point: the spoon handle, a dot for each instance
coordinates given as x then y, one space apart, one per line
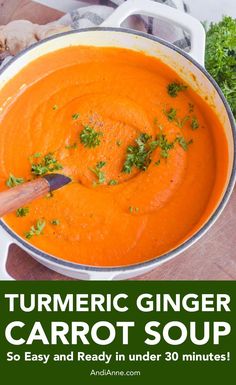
22 194
19 196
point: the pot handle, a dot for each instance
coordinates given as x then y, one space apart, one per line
5 243
164 12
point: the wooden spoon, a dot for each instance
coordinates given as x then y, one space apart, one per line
18 196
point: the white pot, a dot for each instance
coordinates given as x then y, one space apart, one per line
110 35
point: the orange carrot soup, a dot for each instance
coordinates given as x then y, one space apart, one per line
147 156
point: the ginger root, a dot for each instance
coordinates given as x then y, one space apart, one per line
20 34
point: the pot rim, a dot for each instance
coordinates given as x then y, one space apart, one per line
195 237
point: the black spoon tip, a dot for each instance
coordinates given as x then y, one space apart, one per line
57 181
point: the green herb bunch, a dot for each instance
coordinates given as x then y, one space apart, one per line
221 57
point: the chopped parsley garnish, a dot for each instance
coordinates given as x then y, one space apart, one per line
183 143
37 155
164 145
55 222
89 137
101 164
47 164
55 107
181 122
155 121
194 124
75 116
100 174
171 115
138 155
174 88
157 163
190 107
133 209
112 182
71 146
13 181
22 211
118 143
37 229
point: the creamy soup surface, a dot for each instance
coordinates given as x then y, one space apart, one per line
147 156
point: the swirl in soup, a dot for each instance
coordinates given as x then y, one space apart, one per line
147 156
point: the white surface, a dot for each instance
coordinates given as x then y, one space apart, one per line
211 10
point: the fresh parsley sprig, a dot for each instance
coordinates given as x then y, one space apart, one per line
75 116
174 88
22 211
99 173
113 182
55 222
89 137
72 146
183 142
13 181
171 115
36 229
138 155
194 123
164 145
48 164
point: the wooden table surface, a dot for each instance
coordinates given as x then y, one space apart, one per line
212 258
